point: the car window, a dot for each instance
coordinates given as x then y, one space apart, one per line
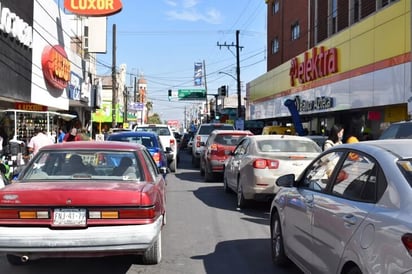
79 165
241 148
287 146
207 129
319 174
151 164
228 140
357 178
161 131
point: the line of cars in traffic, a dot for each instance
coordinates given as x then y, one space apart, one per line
343 210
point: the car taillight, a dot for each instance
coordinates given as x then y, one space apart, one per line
407 242
198 140
265 163
156 157
24 214
138 213
172 143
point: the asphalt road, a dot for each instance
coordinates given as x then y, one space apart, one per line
205 233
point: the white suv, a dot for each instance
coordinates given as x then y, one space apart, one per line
200 138
167 139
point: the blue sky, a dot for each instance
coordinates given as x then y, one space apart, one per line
162 39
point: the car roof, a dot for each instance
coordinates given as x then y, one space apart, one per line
402 148
133 133
94 145
279 137
228 132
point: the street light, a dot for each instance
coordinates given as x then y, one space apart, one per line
239 93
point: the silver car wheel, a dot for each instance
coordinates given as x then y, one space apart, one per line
278 252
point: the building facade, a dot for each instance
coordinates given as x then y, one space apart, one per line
337 61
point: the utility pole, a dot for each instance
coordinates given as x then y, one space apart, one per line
114 79
239 91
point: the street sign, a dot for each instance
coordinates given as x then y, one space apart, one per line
191 94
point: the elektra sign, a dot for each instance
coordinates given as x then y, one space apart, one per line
318 65
14 26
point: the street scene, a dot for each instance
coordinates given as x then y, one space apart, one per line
194 136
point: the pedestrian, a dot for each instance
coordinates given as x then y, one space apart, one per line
335 137
38 141
61 135
71 136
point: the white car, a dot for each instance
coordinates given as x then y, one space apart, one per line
257 161
167 139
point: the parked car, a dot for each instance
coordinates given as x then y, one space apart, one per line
200 138
348 212
258 160
219 145
398 130
84 199
149 139
168 141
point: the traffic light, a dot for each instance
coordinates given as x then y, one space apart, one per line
169 92
222 91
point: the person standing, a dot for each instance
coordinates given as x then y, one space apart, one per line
71 136
335 137
38 141
354 132
61 135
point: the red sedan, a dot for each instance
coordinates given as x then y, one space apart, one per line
82 199
219 145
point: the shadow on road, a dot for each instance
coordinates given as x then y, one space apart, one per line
256 250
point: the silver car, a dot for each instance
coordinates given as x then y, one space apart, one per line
258 160
350 211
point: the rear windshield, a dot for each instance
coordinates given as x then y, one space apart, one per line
228 140
287 146
398 131
207 129
161 131
147 141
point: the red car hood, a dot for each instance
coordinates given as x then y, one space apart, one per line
95 193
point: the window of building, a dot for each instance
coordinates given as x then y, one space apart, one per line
275 45
356 11
295 31
334 16
275 7
383 3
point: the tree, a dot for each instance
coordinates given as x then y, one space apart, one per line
154 119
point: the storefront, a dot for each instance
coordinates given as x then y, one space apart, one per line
359 73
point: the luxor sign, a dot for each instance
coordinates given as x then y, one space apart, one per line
320 64
55 66
93 7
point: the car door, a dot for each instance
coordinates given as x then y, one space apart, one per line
298 211
233 163
338 213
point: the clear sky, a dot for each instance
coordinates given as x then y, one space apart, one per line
162 39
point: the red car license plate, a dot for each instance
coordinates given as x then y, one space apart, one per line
69 217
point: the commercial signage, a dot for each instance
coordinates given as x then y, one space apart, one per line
56 66
93 7
191 94
13 25
317 65
320 103
29 106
